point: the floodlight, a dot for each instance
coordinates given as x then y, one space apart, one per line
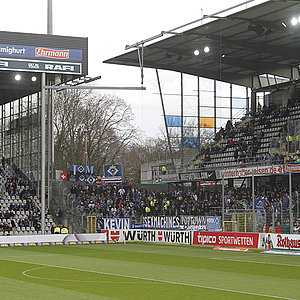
206 49
196 52
18 77
223 55
294 21
33 78
283 24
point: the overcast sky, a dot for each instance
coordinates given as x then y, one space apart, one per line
109 26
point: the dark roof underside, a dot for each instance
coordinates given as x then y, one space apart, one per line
243 45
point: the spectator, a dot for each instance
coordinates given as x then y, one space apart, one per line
278 228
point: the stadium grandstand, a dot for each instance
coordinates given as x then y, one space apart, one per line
255 48
209 219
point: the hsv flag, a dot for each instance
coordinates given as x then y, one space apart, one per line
63 176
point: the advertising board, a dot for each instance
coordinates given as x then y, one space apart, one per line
229 239
213 224
279 241
174 222
116 224
51 239
154 236
247 172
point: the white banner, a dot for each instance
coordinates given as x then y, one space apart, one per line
279 241
247 172
155 236
22 240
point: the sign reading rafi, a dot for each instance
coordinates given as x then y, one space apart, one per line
40 66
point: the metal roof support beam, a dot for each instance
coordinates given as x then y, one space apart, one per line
84 87
135 45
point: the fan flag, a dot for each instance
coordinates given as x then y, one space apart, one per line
63 176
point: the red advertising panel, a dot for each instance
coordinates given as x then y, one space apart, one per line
229 239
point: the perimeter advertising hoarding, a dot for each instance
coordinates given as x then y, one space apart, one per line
174 222
154 236
51 239
198 176
116 224
295 168
247 172
279 241
226 239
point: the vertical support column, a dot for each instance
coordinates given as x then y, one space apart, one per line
43 150
165 121
50 113
247 102
230 103
49 144
182 132
290 201
223 199
85 148
2 129
215 105
198 114
253 200
10 136
39 128
253 102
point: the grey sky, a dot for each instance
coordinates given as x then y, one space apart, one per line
110 25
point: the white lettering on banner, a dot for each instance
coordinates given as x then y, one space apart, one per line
116 224
204 239
3 63
192 220
239 241
226 239
156 236
246 172
57 67
33 66
161 222
12 50
61 54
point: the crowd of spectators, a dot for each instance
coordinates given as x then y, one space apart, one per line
21 210
245 140
128 201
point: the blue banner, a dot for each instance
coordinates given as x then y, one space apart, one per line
213 224
113 171
82 169
40 52
173 121
116 224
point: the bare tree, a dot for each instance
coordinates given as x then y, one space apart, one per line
107 121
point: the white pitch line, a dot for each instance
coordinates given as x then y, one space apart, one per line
255 262
73 280
150 279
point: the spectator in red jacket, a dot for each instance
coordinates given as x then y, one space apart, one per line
265 228
278 228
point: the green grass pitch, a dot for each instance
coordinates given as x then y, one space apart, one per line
145 271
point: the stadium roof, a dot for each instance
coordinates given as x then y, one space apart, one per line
244 47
